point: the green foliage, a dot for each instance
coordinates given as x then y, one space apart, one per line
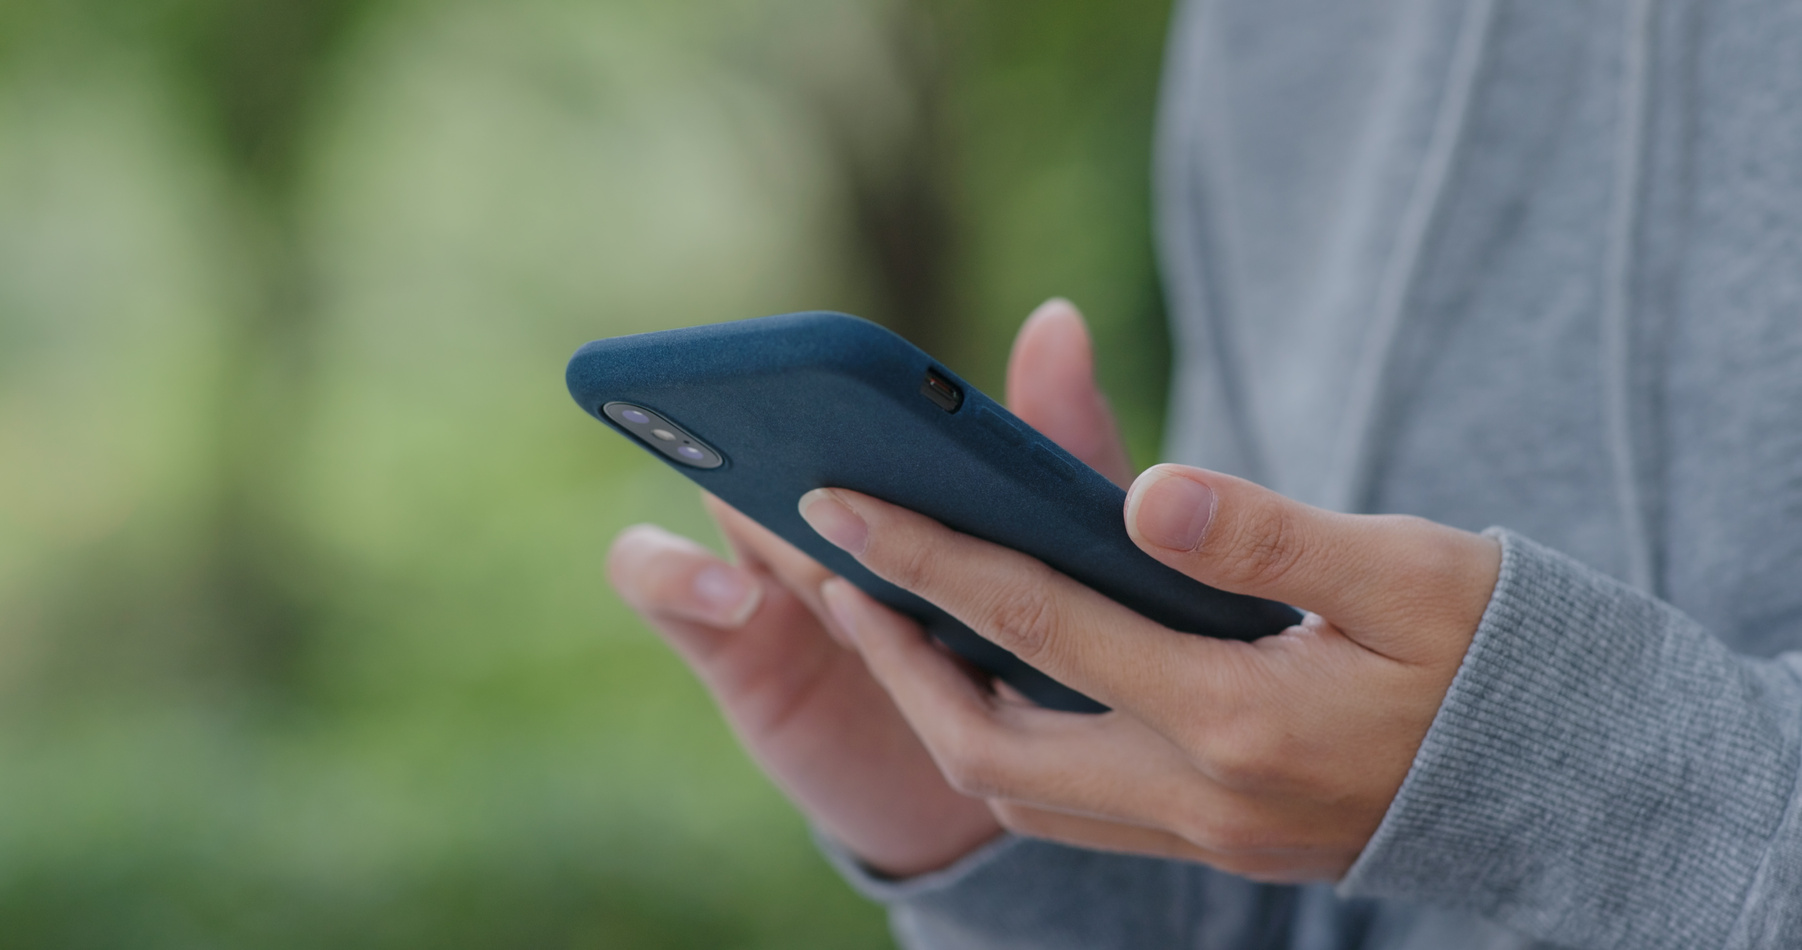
303 637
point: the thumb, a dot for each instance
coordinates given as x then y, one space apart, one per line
1376 577
1051 386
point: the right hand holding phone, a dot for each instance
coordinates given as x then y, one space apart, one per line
804 704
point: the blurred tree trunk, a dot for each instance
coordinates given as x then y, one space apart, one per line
902 201
255 67
992 94
1035 126
895 161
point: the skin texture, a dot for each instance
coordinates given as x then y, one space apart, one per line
1274 759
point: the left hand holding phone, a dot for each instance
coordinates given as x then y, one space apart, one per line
800 699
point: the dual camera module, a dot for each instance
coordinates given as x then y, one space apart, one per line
663 435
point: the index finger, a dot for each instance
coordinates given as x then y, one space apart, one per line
1048 620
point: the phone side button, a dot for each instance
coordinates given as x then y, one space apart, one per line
1010 433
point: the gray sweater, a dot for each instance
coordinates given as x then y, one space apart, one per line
1528 263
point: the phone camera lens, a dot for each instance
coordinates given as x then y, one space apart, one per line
664 436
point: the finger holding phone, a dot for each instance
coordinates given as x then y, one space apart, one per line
1274 759
802 702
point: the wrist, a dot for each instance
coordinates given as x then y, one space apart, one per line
897 852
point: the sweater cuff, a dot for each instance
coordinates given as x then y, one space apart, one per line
1603 771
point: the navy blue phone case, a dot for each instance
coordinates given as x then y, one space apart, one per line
810 400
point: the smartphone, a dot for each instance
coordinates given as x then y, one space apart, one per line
761 411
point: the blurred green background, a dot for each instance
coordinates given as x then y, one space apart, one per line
303 635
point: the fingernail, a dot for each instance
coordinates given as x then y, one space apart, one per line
838 595
1173 511
834 520
729 594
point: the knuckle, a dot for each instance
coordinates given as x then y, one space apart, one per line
1266 544
1247 754
913 566
1023 619
966 757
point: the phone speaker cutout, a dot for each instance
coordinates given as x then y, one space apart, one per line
943 393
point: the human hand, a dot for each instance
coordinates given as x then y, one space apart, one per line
1274 759
802 703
